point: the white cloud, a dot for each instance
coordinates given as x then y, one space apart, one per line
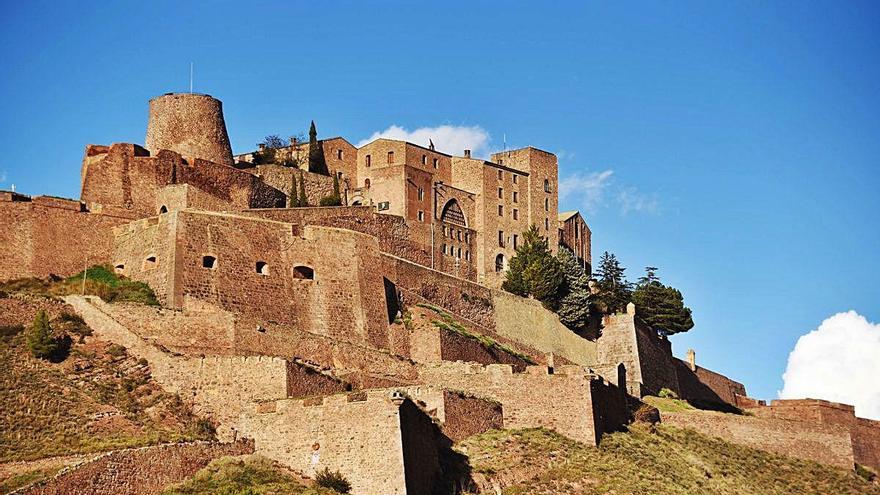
631 199
3 177
587 191
839 362
447 138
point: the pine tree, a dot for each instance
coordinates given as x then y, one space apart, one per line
660 306
574 307
40 340
317 162
614 292
535 272
336 191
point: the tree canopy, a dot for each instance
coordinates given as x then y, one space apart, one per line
535 272
660 306
614 291
574 306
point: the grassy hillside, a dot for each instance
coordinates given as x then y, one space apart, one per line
250 476
97 399
666 461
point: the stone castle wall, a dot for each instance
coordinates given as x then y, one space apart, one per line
140 471
828 444
265 269
127 178
43 235
865 433
316 186
561 401
364 435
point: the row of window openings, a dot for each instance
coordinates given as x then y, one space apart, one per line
368 160
501 195
501 175
453 234
453 251
501 212
261 267
501 242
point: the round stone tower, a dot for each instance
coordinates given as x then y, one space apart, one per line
189 124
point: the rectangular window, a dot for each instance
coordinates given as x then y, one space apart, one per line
500 238
500 210
436 162
368 160
546 224
467 237
339 154
515 214
390 157
424 159
467 255
515 240
515 197
444 249
458 255
500 193
500 175
546 204
421 194
421 216
458 234
514 178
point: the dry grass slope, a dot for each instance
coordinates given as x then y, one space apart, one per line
251 475
99 398
668 461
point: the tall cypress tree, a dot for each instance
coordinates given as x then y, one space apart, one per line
293 199
303 199
317 162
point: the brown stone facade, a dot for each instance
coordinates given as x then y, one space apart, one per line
864 433
273 270
44 235
576 236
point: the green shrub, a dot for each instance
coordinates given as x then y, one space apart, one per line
667 394
116 350
333 480
40 340
330 201
865 473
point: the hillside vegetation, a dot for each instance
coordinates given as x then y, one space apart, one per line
100 280
666 461
98 398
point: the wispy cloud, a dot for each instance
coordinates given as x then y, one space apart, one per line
3 177
595 191
631 199
588 191
447 138
837 362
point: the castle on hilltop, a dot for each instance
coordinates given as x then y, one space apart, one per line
369 335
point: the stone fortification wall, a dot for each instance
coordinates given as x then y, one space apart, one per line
218 385
650 366
218 332
141 471
865 433
316 186
828 444
526 321
396 236
186 196
365 435
561 401
706 387
125 177
306 381
511 317
44 235
460 415
189 124
268 270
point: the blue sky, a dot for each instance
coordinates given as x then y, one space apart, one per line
735 145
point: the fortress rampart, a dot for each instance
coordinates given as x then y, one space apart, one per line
384 445
44 235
